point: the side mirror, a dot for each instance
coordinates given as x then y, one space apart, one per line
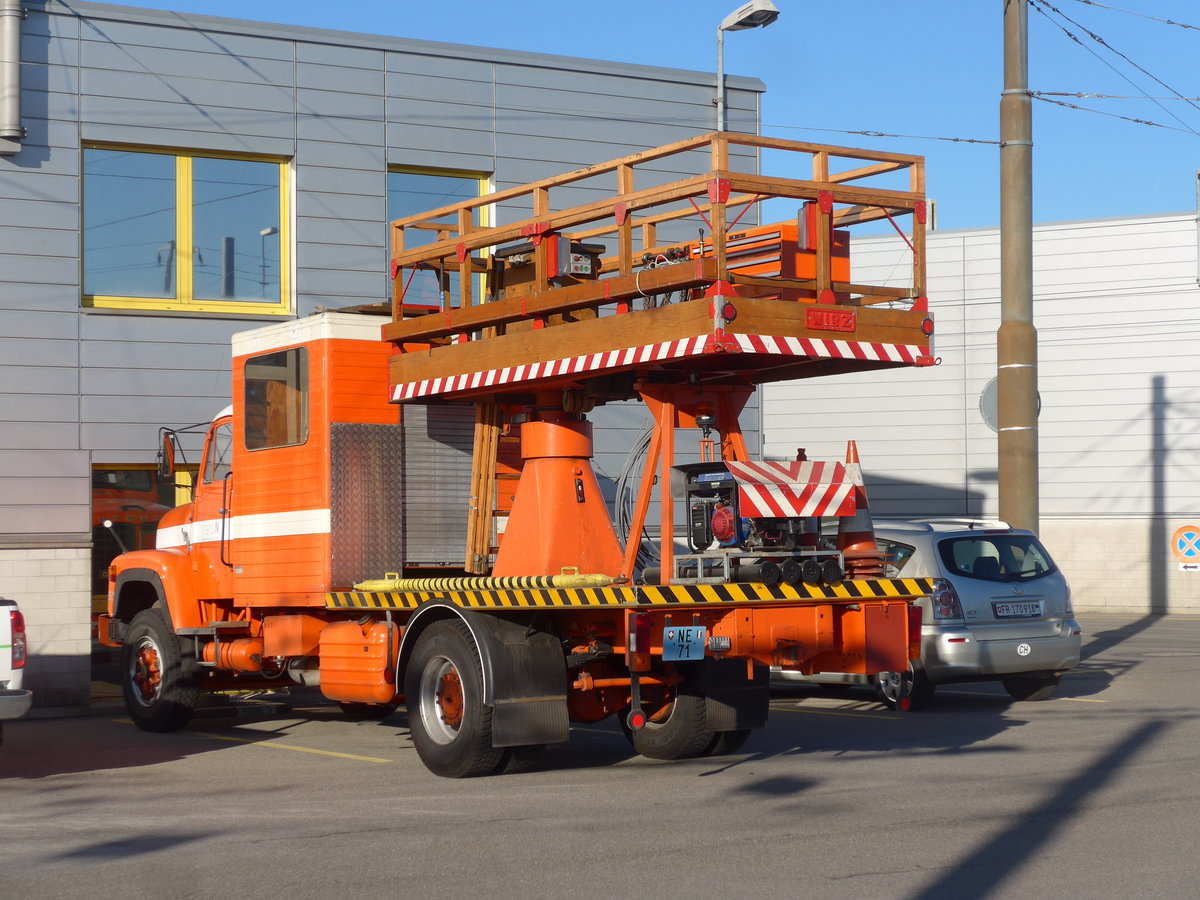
166 457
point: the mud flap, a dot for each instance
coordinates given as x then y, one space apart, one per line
734 702
526 681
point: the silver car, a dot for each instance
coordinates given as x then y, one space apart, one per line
1000 611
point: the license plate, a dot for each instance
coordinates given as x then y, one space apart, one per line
1024 609
684 642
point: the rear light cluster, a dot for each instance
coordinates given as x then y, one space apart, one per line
18 639
944 600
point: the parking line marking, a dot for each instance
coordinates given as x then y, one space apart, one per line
261 743
833 712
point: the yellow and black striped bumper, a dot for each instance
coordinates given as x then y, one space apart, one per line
641 596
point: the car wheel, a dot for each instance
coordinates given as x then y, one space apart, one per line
450 726
904 691
158 674
1031 687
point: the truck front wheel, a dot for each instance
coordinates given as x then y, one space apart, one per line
158 674
451 728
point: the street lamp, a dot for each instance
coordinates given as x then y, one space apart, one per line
264 234
755 14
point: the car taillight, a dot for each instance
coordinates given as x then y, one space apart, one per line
944 600
18 639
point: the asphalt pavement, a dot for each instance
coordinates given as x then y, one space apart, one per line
1090 795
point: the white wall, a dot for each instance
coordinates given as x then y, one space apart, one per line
1117 309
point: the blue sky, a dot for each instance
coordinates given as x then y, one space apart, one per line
928 68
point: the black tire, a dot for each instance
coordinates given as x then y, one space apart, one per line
158 674
680 731
904 691
1031 687
522 759
366 712
724 743
450 726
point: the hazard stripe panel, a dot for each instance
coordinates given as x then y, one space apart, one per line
642 596
793 489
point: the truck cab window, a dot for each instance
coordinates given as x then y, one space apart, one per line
219 461
276 406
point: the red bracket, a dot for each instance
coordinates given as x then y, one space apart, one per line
621 213
921 211
718 190
460 252
825 202
395 268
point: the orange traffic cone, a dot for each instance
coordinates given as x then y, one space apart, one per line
856 534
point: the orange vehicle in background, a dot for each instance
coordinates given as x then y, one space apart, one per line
399 506
126 507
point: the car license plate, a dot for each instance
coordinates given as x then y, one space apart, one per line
1025 609
684 642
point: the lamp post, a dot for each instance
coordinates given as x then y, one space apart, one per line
755 14
264 234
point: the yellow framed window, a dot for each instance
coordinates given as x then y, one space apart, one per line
412 191
186 232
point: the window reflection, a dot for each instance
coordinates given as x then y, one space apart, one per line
129 247
235 221
416 192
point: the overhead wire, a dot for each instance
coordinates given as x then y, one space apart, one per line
1131 12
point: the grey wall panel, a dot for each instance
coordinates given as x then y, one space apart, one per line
423 158
443 65
42 187
47 492
40 269
36 323
145 117
334 57
241 51
319 205
338 152
222 141
17 241
39 213
38 435
37 78
337 132
56 463
124 58
161 408
199 92
368 182
433 139
42 379
46 143
368 258
364 286
348 80
39 519
340 231
44 297
441 90
107 325
145 381
33 352
439 113
339 105
38 406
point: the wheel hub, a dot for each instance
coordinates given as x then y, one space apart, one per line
146 672
450 699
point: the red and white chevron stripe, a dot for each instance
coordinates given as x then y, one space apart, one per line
793 489
555 368
829 349
664 350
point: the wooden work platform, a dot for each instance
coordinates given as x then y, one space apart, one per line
589 297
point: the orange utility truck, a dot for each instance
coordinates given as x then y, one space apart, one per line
400 508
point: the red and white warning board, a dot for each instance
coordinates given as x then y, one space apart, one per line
793 489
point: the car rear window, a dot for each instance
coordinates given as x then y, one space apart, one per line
895 555
996 557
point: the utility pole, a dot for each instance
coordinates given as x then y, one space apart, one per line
1016 341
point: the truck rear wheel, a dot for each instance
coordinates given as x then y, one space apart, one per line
158 674
451 728
677 729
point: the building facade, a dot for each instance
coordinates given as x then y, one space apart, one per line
1115 307
177 179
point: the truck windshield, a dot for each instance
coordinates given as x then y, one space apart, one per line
996 557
